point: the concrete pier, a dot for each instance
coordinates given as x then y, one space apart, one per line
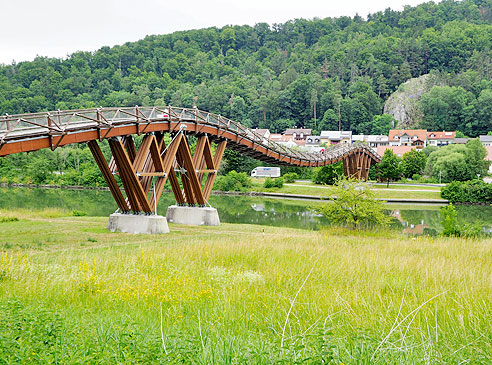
133 223
193 216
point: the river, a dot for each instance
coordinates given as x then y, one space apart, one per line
411 218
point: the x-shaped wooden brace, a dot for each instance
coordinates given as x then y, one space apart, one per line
137 170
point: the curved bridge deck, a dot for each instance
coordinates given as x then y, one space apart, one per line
31 132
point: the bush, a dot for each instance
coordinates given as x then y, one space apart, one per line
233 181
8 219
273 183
473 191
354 205
328 174
78 213
451 227
416 177
290 177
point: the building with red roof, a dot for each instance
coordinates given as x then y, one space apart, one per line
440 138
408 137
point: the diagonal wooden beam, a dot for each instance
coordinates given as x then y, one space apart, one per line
168 164
149 167
185 178
200 145
143 153
209 183
108 175
207 154
133 188
123 173
191 173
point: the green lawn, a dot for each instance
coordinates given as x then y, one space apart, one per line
380 191
71 292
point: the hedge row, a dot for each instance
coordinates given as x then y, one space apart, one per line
473 191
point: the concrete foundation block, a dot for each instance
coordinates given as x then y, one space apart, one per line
133 223
193 216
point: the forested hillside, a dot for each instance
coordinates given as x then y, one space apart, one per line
283 74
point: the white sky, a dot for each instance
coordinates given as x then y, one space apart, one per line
57 28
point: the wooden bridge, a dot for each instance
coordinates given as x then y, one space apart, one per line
144 171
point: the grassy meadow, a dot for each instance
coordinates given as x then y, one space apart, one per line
72 292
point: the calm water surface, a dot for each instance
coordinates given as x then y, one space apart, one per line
413 219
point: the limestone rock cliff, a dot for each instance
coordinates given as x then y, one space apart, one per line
403 103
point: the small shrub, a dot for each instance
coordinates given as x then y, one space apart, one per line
416 177
290 177
451 227
233 181
268 183
328 174
449 221
90 239
78 213
353 205
273 183
8 219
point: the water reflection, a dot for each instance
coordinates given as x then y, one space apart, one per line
409 228
413 219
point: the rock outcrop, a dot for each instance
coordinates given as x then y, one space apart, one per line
403 104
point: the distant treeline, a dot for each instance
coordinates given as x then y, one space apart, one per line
282 75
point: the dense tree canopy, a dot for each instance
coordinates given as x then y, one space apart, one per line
318 73
458 162
323 74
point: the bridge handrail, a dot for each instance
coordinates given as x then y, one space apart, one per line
60 122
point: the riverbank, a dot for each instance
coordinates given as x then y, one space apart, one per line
235 294
304 191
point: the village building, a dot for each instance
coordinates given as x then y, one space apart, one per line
486 140
460 140
358 138
277 137
313 140
376 140
298 133
408 137
336 137
265 133
440 138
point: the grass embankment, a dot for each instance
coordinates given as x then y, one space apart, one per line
72 292
380 191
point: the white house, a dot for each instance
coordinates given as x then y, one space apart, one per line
486 140
440 138
336 137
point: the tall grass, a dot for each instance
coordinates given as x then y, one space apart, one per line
228 295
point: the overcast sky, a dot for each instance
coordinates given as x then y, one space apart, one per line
57 28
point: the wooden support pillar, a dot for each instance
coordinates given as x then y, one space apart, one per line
138 169
346 166
108 176
134 191
209 183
